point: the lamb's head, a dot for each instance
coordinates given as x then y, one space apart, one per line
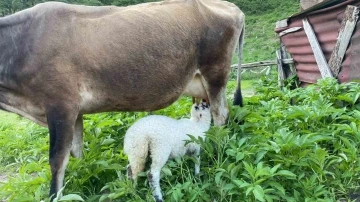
201 113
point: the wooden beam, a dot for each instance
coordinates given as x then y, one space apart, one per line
346 30
290 30
315 46
263 63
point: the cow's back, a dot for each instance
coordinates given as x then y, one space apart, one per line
120 58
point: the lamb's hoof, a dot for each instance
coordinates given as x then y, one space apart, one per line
129 172
158 199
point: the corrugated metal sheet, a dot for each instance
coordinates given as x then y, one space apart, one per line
325 22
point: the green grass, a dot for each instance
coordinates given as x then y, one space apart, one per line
261 41
246 85
12 120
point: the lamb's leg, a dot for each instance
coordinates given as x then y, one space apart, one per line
136 165
154 180
137 152
197 164
159 158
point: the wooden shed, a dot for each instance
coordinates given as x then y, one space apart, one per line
324 41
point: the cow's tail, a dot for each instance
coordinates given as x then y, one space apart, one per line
238 99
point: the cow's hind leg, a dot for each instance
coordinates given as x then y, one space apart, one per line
78 140
61 124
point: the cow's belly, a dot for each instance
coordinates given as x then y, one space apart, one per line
22 106
150 95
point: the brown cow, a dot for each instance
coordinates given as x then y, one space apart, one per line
60 61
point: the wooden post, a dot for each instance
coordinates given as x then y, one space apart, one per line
347 28
315 46
281 74
288 71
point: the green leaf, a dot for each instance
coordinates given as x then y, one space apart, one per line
249 169
103 197
286 173
107 141
258 193
263 172
357 114
71 197
166 171
278 186
248 190
260 155
228 187
274 169
217 177
242 141
239 156
240 183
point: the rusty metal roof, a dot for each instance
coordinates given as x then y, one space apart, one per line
325 19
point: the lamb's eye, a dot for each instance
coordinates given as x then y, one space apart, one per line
196 108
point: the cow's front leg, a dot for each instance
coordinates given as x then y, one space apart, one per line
219 108
78 139
61 124
218 103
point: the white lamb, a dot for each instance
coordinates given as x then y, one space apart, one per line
164 138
